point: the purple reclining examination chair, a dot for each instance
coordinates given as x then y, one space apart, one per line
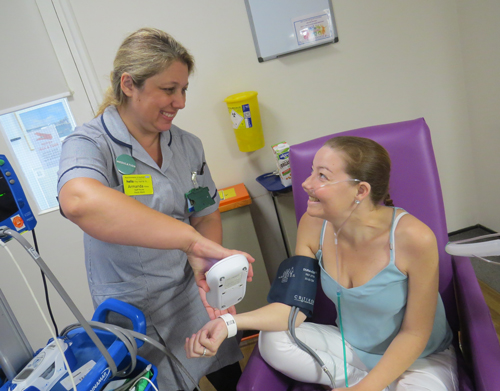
415 187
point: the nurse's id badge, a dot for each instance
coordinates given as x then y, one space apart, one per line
198 199
135 185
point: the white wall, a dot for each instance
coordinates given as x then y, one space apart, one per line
60 242
480 30
396 60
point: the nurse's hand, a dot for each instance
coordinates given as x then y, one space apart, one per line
201 254
214 313
210 337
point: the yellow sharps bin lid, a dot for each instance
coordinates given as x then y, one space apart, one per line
240 96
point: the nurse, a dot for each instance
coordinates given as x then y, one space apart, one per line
140 189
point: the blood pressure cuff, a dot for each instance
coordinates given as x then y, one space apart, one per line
295 283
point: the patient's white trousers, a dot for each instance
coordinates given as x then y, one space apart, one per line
436 372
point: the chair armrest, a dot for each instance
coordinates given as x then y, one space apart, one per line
479 339
260 376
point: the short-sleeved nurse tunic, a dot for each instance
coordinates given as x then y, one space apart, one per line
158 282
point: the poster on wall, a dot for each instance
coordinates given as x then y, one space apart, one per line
282 27
312 29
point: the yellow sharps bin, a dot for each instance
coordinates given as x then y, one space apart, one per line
245 115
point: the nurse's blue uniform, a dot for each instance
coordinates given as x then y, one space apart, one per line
159 282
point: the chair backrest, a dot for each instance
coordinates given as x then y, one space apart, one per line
414 186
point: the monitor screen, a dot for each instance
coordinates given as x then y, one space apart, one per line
8 205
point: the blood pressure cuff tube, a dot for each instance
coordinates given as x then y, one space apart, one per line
295 283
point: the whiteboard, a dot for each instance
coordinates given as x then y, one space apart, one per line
281 27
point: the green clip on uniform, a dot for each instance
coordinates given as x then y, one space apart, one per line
158 282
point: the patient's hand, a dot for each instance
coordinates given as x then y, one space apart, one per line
210 337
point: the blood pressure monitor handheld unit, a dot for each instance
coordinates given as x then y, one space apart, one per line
15 211
227 280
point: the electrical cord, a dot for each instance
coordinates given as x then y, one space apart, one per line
55 283
291 327
45 287
125 334
125 386
143 378
124 337
70 374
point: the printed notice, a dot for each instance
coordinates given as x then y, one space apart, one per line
78 375
227 193
312 28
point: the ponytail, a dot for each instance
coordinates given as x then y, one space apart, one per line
109 100
388 201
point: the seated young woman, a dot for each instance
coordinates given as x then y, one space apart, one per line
384 264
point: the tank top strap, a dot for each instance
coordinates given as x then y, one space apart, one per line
394 224
319 254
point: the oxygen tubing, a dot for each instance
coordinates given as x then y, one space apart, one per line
343 339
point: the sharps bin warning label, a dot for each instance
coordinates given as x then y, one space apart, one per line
241 116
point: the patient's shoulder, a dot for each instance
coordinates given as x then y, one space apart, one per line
416 243
308 223
414 233
308 235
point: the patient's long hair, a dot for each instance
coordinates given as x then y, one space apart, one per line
367 161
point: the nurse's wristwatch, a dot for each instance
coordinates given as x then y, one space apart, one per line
230 324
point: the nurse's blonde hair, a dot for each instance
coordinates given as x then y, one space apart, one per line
143 54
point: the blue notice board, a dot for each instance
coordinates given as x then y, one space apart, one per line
282 27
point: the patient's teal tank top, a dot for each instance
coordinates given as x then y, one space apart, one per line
372 313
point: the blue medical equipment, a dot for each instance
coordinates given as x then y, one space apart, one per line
15 211
90 369
88 357
103 348
93 357
109 346
45 369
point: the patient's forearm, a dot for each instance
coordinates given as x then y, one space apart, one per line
272 317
